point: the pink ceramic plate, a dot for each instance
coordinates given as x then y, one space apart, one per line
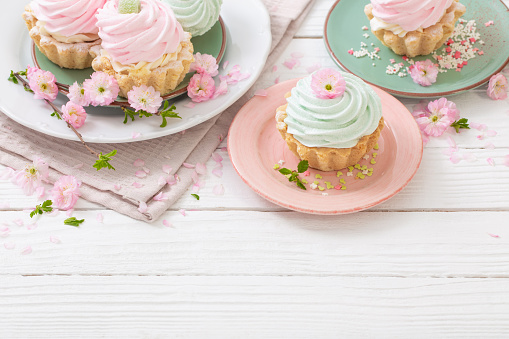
255 145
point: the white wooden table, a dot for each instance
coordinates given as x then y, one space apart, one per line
422 264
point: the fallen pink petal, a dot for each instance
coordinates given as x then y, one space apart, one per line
54 239
201 168
140 174
490 161
18 222
161 197
489 145
99 218
167 223
218 190
506 160
9 245
136 135
290 63
137 185
69 212
190 105
117 187
274 68
225 64
491 133
146 170
31 226
455 158
26 250
182 211
139 163
142 208
493 235
217 172
297 55
276 81
78 166
167 169
217 157
186 165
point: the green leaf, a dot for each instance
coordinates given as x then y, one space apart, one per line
12 78
104 160
40 209
165 105
27 89
168 113
73 222
196 196
301 185
302 166
461 123
55 114
128 114
142 113
285 171
23 73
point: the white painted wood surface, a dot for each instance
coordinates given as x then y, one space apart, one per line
431 262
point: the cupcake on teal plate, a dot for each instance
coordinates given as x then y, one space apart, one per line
196 16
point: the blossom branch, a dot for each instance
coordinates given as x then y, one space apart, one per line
103 161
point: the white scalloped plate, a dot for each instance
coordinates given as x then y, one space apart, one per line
249 39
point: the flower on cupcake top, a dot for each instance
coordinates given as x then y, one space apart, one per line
328 83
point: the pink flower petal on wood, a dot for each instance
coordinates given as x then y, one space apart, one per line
142 208
167 169
26 250
18 222
201 168
218 190
54 239
217 172
469 157
187 165
172 180
491 133
489 145
162 180
506 160
99 218
31 226
217 157
297 55
140 174
147 170
137 184
139 163
182 211
194 176
493 235
69 212
290 63
490 161
167 223
455 158
261 93
9 245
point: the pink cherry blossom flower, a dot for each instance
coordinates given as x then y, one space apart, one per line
201 87
328 83
74 114
204 63
145 98
78 95
497 87
66 192
436 118
102 89
31 71
424 72
43 84
31 177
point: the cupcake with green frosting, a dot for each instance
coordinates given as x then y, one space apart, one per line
331 119
196 16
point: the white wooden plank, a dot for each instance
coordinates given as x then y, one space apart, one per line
253 307
438 185
453 244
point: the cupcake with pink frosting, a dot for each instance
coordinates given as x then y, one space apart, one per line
413 27
144 47
64 30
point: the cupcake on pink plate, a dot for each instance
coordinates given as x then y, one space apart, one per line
64 30
142 44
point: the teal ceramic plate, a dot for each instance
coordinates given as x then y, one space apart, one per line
343 31
213 42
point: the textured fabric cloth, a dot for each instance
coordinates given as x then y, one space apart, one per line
114 189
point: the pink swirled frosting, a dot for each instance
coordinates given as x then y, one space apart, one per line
68 17
144 36
410 15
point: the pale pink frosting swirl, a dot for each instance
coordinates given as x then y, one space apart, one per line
144 36
68 17
410 14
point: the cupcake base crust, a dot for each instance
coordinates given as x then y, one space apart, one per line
324 158
420 43
72 55
164 79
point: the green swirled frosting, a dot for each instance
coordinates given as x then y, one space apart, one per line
336 123
196 16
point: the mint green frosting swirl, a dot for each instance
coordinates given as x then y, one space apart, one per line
196 16
336 123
